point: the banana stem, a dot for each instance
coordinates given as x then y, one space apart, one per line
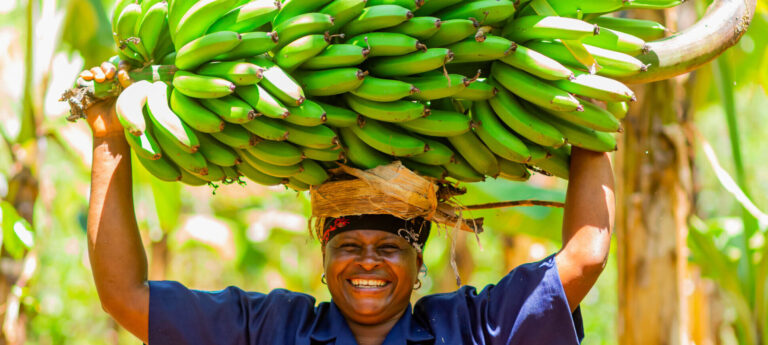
515 203
722 27
28 125
154 73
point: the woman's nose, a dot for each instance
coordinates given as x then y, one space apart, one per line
369 258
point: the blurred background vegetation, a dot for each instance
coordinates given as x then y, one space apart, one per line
255 237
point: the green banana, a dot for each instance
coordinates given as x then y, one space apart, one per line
420 28
523 122
300 26
251 44
439 123
388 139
130 107
205 48
316 137
411 5
613 64
434 171
301 50
231 175
263 101
235 136
618 109
296 185
166 122
230 108
597 87
384 90
193 162
486 12
198 86
460 169
359 153
267 128
651 4
343 11
398 111
538 152
125 33
190 179
592 117
326 155
569 8
377 17
528 28
118 10
557 164
257 176
533 89
312 173
238 72
616 41
278 82
308 114
496 136
247 17
194 114
216 152
647 30
330 82
476 153
276 152
144 145
293 8
215 174
168 59
338 117
438 154
477 91
413 63
490 49
452 31
431 6
513 171
337 55
584 137
387 43
176 10
161 168
432 87
269 169
537 64
198 19
152 26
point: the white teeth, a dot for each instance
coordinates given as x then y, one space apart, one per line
368 283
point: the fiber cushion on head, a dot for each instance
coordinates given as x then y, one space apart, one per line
415 231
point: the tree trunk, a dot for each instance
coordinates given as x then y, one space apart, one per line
655 197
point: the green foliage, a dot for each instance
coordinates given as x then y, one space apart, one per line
17 233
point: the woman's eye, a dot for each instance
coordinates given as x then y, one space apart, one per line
390 247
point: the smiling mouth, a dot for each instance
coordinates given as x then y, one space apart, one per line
368 283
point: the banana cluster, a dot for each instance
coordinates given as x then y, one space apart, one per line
279 92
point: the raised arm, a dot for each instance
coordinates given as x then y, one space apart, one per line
587 223
117 256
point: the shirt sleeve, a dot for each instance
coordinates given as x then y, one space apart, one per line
528 306
181 316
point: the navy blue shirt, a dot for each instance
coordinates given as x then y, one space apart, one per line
528 306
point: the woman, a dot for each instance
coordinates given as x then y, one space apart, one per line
370 270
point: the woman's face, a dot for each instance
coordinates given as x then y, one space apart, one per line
370 274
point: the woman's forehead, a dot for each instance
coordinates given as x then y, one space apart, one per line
367 235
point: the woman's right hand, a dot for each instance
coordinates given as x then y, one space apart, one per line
101 116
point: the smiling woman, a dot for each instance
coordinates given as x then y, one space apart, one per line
371 262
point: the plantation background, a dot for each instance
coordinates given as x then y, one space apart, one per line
256 238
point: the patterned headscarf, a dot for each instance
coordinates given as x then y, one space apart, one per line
415 231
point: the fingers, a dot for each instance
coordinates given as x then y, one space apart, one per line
87 75
106 71
98 74
109 69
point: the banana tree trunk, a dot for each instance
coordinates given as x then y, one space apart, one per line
655 193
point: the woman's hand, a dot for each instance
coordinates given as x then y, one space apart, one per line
101 116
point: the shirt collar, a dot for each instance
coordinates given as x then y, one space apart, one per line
331 324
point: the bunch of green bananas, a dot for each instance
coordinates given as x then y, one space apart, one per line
280 91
